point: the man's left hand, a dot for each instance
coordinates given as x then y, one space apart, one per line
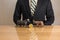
39 23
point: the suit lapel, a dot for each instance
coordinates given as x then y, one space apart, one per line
28 5
38 5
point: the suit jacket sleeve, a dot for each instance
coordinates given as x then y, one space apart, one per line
49 14
17 13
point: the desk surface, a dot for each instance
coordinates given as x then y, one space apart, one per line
22 33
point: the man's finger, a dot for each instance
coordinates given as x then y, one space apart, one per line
41 23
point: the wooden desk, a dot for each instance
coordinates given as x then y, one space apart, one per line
20 33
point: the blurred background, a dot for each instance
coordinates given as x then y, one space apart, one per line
7 8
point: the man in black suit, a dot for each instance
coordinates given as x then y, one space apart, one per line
43 12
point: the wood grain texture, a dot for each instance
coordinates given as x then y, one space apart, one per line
23 33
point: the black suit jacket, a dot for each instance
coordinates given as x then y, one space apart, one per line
43 11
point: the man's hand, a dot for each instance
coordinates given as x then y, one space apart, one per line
39 23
